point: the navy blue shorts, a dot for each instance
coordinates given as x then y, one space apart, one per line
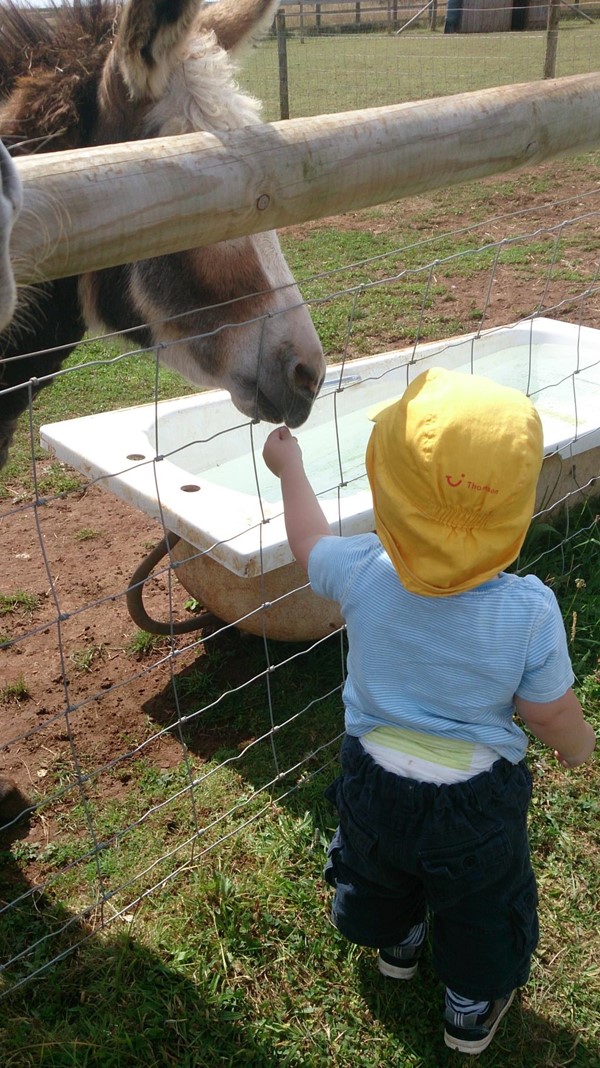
404 849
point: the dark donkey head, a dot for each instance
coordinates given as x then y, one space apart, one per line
10 205
95 73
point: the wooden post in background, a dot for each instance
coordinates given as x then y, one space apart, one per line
433 20
552 39
284 96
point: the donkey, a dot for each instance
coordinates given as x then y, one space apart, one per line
229 315
10 206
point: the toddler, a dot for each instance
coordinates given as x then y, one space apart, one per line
443 648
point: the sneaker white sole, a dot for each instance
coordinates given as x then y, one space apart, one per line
463 1046
393 971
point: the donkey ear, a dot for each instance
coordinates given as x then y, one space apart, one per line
149 38
237 23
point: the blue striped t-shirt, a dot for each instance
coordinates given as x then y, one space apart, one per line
448 666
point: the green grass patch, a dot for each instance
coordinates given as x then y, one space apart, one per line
84 659
14 692
104 379
143 643
565 554
337 72
87 534
19 600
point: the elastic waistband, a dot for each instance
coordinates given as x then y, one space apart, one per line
411 793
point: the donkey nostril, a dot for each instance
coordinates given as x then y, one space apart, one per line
306 380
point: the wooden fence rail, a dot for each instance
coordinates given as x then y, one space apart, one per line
96 207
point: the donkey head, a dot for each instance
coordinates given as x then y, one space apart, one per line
228 315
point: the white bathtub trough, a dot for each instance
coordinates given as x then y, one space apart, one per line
202 460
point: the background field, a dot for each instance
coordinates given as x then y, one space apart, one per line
343 72
231 959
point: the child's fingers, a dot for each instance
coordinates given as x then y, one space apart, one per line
280 433
285 434
273 438
276 449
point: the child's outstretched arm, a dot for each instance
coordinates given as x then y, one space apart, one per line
305 522
561 725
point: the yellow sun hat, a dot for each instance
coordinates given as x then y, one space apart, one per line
453 467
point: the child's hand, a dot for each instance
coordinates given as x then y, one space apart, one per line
566 763
280 449
584 753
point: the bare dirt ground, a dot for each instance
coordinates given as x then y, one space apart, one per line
76 685
84 663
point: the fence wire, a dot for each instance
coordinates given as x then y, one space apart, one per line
135 756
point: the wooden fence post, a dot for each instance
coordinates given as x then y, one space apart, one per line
552 39
284 97
433 20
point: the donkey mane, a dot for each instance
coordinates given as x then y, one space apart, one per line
50 71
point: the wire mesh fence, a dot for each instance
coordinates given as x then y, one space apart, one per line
130 758
332 72
140 754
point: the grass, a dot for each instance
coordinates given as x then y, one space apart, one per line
14 692
143 643
19 600
105 379
87 534
391 291
336 73
84 659
236 961
565 554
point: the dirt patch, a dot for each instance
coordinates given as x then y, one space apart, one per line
70 667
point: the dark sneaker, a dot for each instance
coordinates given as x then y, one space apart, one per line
402 964
475 1031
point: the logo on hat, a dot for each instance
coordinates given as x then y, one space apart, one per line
454 484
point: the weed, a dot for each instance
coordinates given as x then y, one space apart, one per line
11 602
83 659
87 534
143 643
14 692
59 480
